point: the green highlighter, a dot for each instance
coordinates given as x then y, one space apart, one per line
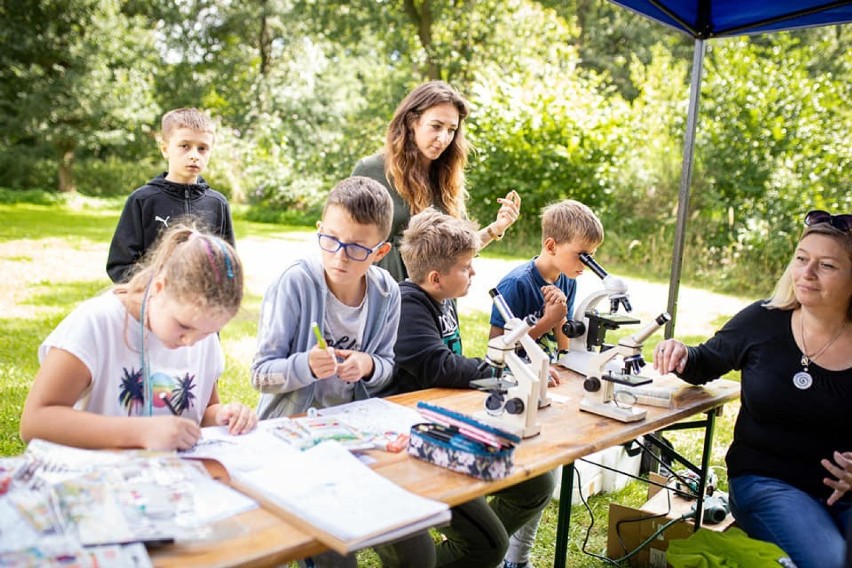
320 340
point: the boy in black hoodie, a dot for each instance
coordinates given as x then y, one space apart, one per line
438 251
188 136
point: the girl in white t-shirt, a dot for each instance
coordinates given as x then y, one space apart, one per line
137 367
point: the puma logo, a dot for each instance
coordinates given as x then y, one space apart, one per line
165 221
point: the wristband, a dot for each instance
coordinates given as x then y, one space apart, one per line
492 234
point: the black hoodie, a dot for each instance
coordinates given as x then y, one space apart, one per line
428 346
152 207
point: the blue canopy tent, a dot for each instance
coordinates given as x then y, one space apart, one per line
707 19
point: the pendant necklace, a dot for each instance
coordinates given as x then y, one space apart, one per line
803 379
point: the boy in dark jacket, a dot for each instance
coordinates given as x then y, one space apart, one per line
438 251
188 136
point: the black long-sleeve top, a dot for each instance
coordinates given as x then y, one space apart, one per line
428 348
782 431
152 207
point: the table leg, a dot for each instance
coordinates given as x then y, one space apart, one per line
705 464
564 517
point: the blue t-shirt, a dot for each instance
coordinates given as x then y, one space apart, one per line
521 289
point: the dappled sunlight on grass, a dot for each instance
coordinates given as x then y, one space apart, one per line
55 257
26 221
48 294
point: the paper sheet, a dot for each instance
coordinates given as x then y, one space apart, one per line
330 489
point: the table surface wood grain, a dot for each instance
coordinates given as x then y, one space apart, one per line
260 538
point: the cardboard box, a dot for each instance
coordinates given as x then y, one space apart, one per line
650 517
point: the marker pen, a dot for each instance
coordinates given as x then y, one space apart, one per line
320 340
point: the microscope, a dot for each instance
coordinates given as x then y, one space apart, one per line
588 328
513 404
599 385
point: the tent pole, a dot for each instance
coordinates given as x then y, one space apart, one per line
685 180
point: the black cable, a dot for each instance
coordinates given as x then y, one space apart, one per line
618 561
640 519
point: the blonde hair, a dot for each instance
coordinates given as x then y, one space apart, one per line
199 268
443 184
365 200
567 220
784 296
191 118
436 241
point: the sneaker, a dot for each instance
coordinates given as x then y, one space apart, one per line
510 564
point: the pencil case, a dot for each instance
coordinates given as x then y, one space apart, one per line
461 443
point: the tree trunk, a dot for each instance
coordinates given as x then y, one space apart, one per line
66 168
422 20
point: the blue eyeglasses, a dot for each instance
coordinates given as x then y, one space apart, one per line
839 222
353 251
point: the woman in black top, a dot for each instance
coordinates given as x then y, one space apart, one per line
790 463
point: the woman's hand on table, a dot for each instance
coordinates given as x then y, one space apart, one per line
670 355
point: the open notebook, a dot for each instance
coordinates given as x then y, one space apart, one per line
324 490
327 492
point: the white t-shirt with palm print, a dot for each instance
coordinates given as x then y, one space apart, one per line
107 339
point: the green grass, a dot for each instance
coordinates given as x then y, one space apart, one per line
86 224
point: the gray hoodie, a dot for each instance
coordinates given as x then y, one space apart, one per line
295 299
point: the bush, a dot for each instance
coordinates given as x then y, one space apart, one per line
114 176
24 167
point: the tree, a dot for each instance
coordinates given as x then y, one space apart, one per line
76 74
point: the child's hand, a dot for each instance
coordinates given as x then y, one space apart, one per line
169 433
238 417
553 379
322 362
354 365
510 209
553 295
555 306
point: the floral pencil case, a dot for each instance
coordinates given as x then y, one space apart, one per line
461 443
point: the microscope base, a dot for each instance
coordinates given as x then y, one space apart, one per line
578 361
610 410
509 423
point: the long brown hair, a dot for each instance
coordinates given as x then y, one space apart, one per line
443 184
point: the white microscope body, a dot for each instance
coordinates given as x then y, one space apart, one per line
600 381
513 406
588 327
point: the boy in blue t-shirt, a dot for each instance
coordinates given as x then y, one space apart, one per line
545 287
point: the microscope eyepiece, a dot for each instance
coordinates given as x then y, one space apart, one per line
589 261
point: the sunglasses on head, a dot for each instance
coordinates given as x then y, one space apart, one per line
839 222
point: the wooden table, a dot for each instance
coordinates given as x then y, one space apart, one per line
260 538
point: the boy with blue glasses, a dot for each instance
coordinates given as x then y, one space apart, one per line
354 304
354 307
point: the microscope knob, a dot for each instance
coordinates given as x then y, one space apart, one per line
494 402
573 328
515 406
592 384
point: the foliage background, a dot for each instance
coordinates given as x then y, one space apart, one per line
576 98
